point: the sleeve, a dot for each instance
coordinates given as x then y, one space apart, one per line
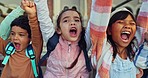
36 37
3 44
5 24
141 58
46 25
87 38
100 10
142 22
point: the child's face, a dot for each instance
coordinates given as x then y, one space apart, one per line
70 26
123 31
19 38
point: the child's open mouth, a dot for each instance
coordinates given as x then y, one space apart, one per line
73 31
17 46
125 35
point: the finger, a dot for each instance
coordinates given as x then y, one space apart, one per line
24 0
139 75
24 3
31 4
27 3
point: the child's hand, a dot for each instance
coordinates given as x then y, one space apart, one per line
29 7
146 36
139 75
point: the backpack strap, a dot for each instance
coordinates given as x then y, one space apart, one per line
51 44
138 53
9 51
30 54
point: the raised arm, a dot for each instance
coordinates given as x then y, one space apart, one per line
141 57
5 24
142 21
99 19
46 25
36 36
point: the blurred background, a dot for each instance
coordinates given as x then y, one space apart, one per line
55 6
6 6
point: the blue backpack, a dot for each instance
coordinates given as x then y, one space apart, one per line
51 44
10 49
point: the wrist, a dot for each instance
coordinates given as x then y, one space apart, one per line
32 15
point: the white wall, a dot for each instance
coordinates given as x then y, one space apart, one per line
70 3
17 2
134 4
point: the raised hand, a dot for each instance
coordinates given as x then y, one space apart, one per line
29 7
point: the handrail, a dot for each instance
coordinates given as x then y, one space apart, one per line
121 4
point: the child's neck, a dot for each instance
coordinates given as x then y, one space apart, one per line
122 54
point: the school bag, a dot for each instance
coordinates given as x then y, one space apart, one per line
10 49
51 44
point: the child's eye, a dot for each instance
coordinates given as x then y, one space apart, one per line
65 20
132 23
12 33
120 22
77 20
21 34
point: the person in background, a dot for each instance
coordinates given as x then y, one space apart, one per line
141 57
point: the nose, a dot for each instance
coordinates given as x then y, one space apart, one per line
15 37
72 22
127 27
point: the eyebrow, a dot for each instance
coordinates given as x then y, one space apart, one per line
76 17
69 16
65 17
20 32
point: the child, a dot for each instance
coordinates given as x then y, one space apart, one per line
113 44
23 31
68 58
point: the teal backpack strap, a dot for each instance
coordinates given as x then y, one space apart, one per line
31 55
9 51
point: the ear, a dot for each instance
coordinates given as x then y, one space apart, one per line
58 30
109 30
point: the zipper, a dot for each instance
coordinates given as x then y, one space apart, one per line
69 49
69 45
